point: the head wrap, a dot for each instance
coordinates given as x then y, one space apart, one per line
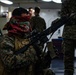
17 24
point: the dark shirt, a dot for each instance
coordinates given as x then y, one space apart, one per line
38 23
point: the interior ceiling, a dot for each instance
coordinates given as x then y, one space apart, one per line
33 3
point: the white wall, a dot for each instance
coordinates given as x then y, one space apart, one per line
2 23
3 20
49 15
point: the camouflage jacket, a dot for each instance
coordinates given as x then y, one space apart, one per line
20 64
10 61
69 7
38 23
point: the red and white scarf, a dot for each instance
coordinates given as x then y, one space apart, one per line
18 25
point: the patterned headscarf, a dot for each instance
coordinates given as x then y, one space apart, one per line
18 25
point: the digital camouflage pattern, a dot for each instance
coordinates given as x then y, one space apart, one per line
69 46
11 61
69 7
69 35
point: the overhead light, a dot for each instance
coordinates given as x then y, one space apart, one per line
57 1
47 0
6 2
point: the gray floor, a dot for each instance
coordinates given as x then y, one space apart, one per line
58 67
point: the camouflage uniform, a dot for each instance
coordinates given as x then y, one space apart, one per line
20 64
69 35
13 64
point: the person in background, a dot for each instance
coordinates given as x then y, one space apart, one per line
69 36
31 11
37 22
18 28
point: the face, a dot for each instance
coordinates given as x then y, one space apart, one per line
31 12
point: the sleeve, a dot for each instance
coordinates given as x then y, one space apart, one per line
12 61
65 8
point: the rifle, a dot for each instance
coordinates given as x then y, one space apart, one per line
42 36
